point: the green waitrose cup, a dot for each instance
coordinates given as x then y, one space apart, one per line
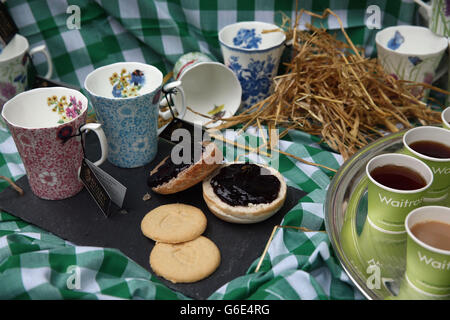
388 207
445 115
438 193
427 267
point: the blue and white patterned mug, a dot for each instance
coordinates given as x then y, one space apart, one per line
254 57
126 97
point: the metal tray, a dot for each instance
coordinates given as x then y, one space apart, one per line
375 262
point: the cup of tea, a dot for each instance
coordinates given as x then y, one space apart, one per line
397 184
253 55
428 250
125 97
445 115
432 146
46 124
411 53
14 61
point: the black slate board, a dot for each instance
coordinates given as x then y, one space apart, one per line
80 221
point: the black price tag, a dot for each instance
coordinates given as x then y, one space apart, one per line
8 28
102 187
95 188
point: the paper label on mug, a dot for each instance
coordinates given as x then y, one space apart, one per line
95 187
114 188
101 186
8 28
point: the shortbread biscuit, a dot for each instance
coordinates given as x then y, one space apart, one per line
185 262
174 223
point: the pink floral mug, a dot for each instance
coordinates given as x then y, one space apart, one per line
46 125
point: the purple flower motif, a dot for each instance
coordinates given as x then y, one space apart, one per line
7 90
393 75
73 100
71 113
428 78
24 59
447 8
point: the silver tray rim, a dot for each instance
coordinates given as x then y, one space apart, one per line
338 182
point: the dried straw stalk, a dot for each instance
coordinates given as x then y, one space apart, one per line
331 90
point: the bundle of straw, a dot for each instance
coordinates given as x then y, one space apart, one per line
331 90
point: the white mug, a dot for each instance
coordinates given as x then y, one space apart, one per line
210 89
438 16
254 56
14 60
411 53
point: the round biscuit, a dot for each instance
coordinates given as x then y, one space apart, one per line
185 262
174 223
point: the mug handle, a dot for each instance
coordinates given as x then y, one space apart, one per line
96 127
427 8
43 49
167 114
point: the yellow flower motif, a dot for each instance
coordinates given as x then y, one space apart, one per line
119 86
55 98
125 84
63 99
125 92
133 90
54 109
123 79
49 101
123 71
115 75
64 118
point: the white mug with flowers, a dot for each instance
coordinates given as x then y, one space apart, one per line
411 53
14 62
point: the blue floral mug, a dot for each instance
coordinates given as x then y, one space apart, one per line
254 56
125 97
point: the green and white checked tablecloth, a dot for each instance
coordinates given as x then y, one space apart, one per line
298 265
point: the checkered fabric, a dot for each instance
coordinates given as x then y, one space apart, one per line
298 265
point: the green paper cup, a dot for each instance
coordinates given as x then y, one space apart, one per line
384 248
446 117
438 192
388 207
427 267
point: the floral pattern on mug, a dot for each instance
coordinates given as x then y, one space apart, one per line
67 110
127 84
48 178
255 79
415 60
7 90
396 41
247 39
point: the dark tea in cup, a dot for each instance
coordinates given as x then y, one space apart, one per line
398 177
431 148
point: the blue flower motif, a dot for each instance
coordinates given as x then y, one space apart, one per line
395 42
20 78
137 77
247 38
256 79
415 60
117 92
